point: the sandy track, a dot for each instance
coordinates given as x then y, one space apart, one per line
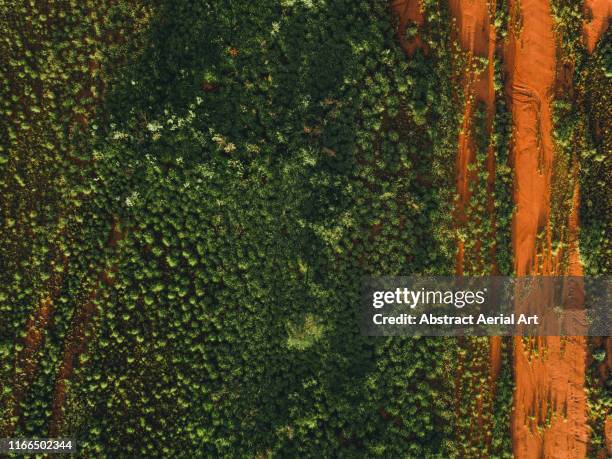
550 417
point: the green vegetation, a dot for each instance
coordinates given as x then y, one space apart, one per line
488 245
582 157
599 399
569 139
582 144
569 127
501 438
190 195
568 19
226 178
594 85
595 210
50 86
580 116
502 186
479 225
501 18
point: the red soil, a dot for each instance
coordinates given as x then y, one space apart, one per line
550 417
408 11
598 14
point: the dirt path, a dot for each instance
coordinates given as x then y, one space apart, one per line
550 418
597 14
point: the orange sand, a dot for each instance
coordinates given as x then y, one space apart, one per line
550 413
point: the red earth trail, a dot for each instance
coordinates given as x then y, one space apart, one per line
550 412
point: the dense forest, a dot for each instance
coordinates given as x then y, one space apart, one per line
191 193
